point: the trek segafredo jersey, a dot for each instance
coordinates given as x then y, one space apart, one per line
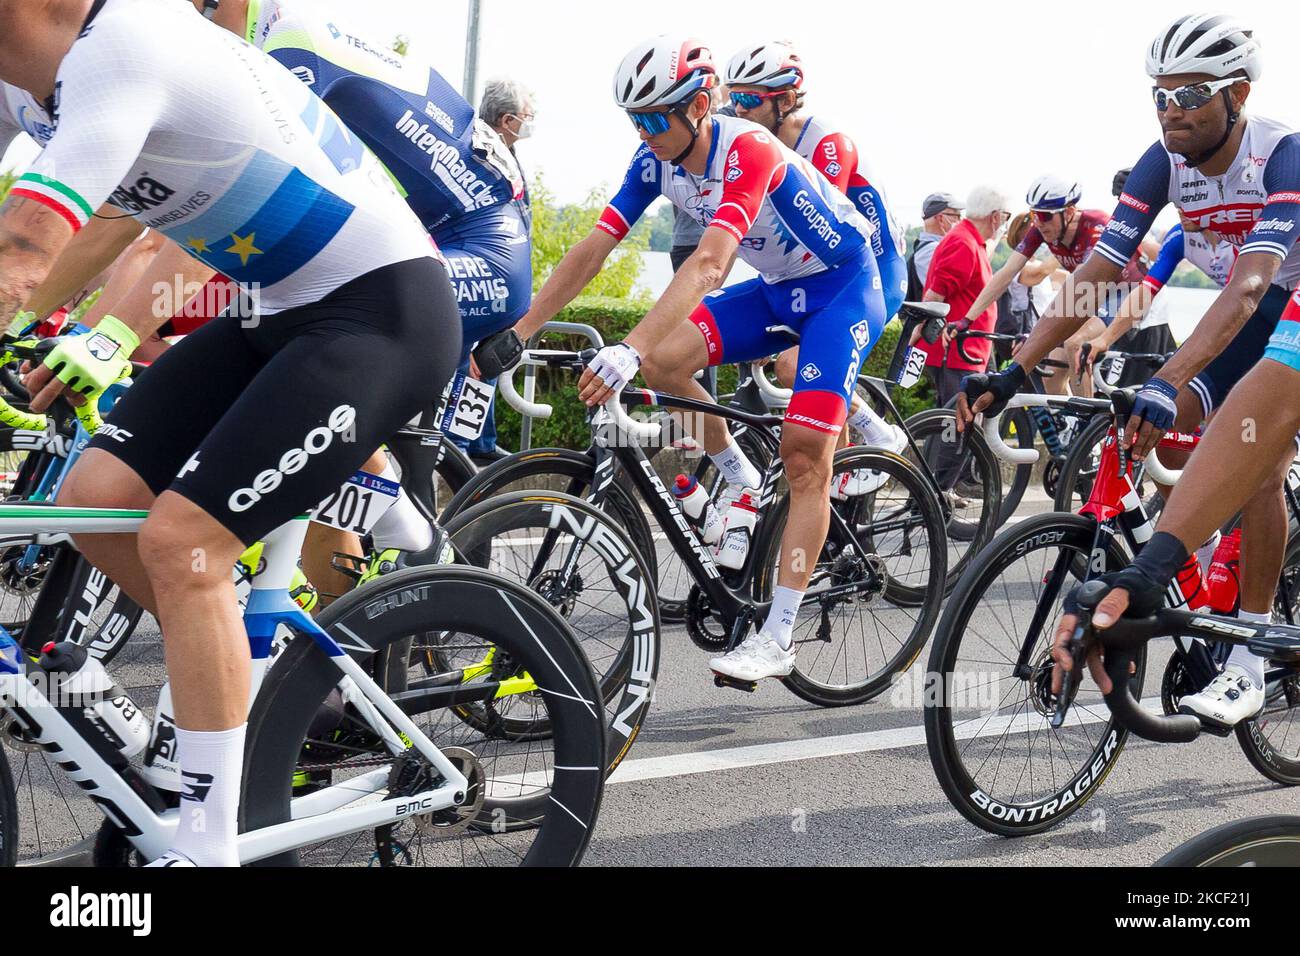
836 156
790 221
448 163
199 135
1254 206
1210 251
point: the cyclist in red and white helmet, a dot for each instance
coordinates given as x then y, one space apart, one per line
758 200
766 85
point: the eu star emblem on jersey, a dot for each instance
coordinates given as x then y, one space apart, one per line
101 346
810 372
861 334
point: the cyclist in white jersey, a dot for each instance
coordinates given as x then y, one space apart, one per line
195 133
1240 177
817 275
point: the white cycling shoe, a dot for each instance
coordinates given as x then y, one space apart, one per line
757 657
866 480
1227 700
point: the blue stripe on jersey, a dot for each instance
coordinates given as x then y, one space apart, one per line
1145 193
1171 254
287 230
640 186
811 221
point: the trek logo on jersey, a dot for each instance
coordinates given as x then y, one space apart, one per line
145 194
447 164
340 422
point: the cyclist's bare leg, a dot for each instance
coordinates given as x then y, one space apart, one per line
188 557
99 480
1263 535
671 368
1239 455
807 454
1090 330
1058 382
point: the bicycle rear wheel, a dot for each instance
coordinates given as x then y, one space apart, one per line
1257 841
535 801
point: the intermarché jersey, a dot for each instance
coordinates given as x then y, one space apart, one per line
836 156
1092 223
448 163
1254 206
195 133
789 220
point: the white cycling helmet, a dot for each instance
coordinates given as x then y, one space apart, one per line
1216 44
774 65
1052 194
664 71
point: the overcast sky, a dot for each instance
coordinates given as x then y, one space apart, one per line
938 95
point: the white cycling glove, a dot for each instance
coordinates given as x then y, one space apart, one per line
616 365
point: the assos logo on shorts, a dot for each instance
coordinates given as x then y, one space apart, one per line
294 460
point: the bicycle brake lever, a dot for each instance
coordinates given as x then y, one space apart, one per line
1071 679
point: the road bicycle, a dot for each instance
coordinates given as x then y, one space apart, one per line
1257 841
988 699
876 586
458 767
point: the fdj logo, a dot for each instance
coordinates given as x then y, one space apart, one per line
810 372
861 334
340 422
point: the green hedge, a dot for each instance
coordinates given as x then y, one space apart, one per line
614 318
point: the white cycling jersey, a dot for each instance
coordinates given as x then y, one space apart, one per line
20 112
194 132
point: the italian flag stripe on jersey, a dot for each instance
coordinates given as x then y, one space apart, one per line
52 193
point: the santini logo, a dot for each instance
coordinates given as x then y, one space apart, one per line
76 909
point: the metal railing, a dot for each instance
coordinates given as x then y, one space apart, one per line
530 372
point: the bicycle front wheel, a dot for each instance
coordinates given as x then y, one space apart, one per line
987 691
1257 841
534 801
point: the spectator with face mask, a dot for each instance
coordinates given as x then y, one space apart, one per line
508 108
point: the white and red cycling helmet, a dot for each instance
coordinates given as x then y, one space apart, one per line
664 71
774 65
1219 45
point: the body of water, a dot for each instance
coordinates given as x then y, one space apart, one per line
1183 306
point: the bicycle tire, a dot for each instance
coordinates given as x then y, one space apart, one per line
574 471
444 599
1272 840
965 536
1007 816
905 475
626 672
8 815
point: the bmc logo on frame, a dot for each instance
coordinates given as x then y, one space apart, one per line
340 422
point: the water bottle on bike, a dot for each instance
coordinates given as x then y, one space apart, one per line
738 532
81 680
698 507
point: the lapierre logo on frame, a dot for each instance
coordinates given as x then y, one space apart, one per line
75 909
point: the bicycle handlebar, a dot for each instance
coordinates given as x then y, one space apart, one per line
35 350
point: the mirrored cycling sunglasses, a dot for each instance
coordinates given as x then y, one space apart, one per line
752 101
1047 215
1192 96
652 123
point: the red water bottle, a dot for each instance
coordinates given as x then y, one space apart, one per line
1224 579
1191 583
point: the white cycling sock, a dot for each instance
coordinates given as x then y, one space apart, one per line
735 467
401 526
1252 664
1205 553
780 620
873 429
212 766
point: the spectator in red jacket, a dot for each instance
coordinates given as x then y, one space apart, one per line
958 273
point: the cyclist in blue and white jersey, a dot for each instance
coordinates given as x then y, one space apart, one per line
245 424
1240 177
766 86
812 249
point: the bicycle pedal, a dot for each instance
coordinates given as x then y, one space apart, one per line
349 565
723 680
1209 726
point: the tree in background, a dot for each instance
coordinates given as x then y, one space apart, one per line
556 229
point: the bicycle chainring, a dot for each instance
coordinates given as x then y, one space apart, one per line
702 624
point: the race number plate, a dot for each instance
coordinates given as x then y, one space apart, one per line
467 411
359 504
915 366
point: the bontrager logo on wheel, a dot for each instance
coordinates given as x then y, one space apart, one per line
294 460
